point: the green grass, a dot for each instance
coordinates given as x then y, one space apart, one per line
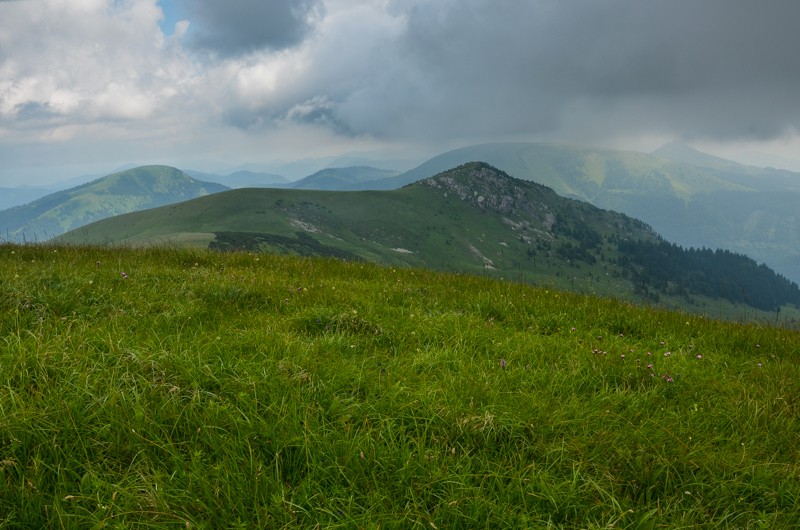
249 391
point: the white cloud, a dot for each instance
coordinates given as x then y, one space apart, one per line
122 102
85 61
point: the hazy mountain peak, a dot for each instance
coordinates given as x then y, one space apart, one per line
246 178
345 178
685 154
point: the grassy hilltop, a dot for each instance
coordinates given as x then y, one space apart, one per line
126 191
191 389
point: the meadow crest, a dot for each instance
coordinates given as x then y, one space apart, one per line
192 389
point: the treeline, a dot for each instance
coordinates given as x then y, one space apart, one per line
588 240
670 269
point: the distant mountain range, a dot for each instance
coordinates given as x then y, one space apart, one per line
34 214
242 179
474 218
334 178
135 189
345 179
692 198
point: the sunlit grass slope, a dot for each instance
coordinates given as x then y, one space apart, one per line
189 389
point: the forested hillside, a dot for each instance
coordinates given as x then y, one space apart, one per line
667 268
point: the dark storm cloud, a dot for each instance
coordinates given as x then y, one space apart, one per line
702 68
33 111
234 27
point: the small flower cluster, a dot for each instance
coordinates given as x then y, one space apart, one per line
651 365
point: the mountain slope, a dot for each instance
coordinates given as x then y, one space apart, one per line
685 203
684 154
135 189
474 218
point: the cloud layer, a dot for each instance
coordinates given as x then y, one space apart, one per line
302 75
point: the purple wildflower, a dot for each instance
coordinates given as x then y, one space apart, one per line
503 364
124 275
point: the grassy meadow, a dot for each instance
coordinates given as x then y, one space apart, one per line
166 388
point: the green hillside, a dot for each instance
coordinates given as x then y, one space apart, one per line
473 219
169 388
126 191
683 194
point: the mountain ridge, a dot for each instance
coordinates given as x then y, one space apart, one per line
473 218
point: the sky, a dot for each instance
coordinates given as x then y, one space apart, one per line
88 86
